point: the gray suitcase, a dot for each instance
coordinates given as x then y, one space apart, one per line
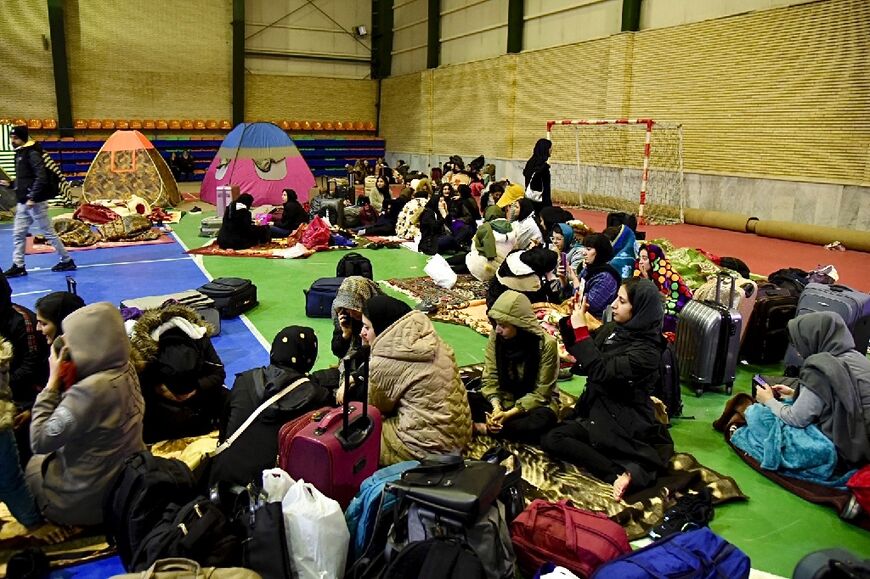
708 341
200 302
853 306
210 226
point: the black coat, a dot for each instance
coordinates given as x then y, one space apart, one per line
28 371
432 228
31 176
294 215
615 407
257 448
239 232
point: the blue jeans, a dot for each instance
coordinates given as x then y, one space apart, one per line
13 489
35 215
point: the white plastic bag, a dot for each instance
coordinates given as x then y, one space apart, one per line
440 271
316 531
276 483
559 573
532 194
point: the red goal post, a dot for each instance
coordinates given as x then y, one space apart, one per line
633 165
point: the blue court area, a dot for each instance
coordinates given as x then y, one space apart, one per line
112 275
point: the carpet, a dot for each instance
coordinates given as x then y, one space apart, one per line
467 290
31 248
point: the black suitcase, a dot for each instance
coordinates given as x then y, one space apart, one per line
232 296
767 330
319 297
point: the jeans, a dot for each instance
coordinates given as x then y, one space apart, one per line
13 489
35 215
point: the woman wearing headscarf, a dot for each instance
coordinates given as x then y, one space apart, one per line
652 264
519 400
435 222
833 388
571 255
389 216
601 280
347 311
237 228
381 195
293 352
88 418
414 382
292 217
612 431
623 239
522 215
52 309
537 172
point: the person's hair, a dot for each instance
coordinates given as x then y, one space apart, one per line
406 194
631 288
382 178
497 187
291 195
449 188
612 232
432 203
464 191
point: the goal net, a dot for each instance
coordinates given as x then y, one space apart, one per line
631 165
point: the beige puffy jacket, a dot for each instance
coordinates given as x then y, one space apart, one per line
414 382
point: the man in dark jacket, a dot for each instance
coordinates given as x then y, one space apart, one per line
32 190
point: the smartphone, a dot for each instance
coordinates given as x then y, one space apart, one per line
580 289
757 381
58 345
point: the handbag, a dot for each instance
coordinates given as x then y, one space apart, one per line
179 568
533 194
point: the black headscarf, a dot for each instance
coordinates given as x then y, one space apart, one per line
538 160
291 195
5 293
647 310
383 311
294 347
603 254
526 208
525 349
58 305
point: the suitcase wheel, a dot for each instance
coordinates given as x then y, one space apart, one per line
729 388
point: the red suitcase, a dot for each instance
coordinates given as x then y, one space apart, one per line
335 451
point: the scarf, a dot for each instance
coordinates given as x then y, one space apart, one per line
667 280
384 311
518 360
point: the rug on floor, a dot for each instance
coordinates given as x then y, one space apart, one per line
32 248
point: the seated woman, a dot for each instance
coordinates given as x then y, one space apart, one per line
529 272
52 309
237 228
180 373
435 222
293 216
381 193
347 311
571 256
833 386
464 213
87 420
652 264
612 431
622 238
414 382
491 244
522 215
601 280
389 217
293 352
408 222
491 195
519 398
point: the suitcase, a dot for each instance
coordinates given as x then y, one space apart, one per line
831 564
853 306
319 297
766 337
337 452
210 226
232 296
708 341
200 302
742 299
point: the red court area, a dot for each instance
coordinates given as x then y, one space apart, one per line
763 255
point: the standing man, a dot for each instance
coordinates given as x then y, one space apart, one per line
32 188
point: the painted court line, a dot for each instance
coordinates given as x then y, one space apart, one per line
47 291
137 262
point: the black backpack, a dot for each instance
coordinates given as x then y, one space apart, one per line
435 559
735 264
622 218
792 279
667 389
354 264
198 530
135 503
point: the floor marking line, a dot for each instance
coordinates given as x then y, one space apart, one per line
85 266
47 291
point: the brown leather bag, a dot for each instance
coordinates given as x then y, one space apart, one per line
188 569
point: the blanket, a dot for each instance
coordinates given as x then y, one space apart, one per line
801 453
33 248
423 289
693 266
275 249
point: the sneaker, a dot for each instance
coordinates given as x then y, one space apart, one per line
15 271
67 265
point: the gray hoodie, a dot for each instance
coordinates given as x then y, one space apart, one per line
88 430
837 375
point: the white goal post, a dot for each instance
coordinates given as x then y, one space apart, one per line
632 165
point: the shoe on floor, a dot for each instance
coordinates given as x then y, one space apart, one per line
68 265
15 271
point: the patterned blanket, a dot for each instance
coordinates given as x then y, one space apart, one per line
32 248
467 291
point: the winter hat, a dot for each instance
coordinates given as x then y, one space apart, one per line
294 347
540 259
21 132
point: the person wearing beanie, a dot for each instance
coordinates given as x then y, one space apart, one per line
601 279
529 272
33 189
537 172
291 357
237 228
88 418
51 311
414 382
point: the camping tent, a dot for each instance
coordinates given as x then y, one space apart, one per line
262 160
127 165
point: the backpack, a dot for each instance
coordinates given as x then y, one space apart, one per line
792 279
700 553
198 530
435 559
354 264
622 218
735 264
667 388
135 503
319 297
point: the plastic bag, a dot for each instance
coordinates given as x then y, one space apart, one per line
316 531
440 271
316 235
276 483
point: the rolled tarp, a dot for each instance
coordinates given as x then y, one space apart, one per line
718 219
816 234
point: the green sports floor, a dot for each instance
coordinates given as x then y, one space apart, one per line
774 527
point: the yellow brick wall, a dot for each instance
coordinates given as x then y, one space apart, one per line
406 112
26 76
159 59
276 97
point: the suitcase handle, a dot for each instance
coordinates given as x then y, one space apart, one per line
720 277
350 439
